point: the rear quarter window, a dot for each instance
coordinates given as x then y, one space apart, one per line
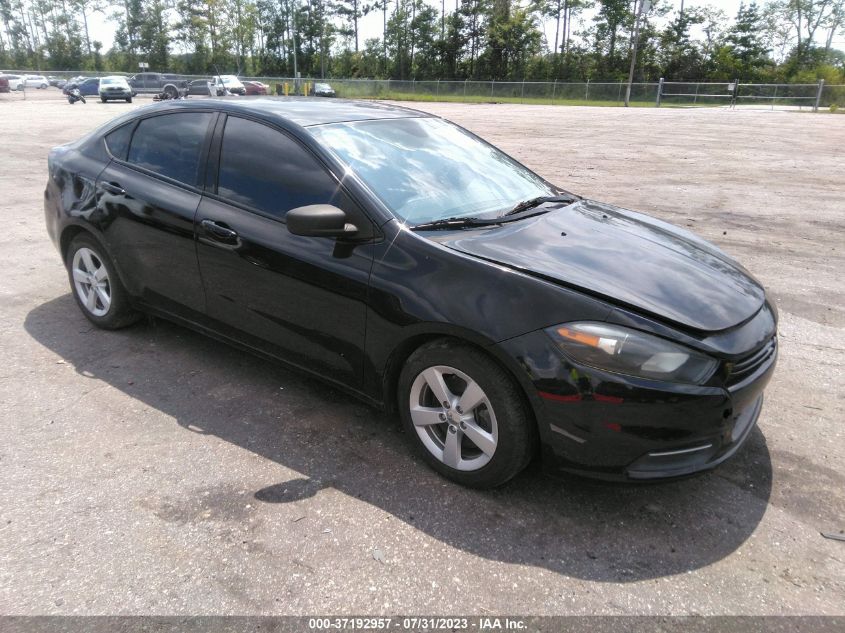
117 141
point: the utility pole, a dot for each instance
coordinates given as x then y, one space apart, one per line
644 7
292 22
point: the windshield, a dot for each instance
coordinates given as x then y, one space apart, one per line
112 80
322 87
229 79
426 169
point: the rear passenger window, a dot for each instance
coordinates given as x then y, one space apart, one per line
170 145
118 140
268 171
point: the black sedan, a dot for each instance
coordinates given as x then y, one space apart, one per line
407 261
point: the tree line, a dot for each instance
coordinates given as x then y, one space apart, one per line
780 40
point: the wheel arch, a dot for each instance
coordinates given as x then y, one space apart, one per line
401 352
73 230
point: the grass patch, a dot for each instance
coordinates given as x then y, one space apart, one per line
404 96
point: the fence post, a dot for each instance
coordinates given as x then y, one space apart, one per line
819 95
554 92
388 87
437 90
492 83
522 96
587 91
774 97
659 91
736 92
465 86
413 86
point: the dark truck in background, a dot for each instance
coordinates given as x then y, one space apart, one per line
157 83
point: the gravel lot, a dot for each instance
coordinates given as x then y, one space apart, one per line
153 470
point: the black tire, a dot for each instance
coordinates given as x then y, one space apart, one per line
120 312
517 433
103 99
128 99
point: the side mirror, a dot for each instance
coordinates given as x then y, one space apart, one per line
319 220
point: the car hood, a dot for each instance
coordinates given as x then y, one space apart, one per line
627 258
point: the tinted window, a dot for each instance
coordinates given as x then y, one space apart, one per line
170 145
264 169
118 140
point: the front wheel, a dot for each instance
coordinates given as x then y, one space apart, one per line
96 287
103 99
82 99
465 414
71 100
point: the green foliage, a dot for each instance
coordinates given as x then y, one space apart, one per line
504 40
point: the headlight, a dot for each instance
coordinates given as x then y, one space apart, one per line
625 351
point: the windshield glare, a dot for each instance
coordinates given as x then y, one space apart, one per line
427 169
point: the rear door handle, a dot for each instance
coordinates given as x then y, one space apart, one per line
113 188
219 232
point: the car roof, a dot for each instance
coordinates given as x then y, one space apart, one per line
307 111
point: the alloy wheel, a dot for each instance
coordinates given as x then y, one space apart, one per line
454 418
91 281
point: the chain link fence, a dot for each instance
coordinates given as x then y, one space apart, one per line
663 93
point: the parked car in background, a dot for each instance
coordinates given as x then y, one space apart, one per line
4 84
53 80
35 81
498 314
323 90
88 86
157 83
199 87
115 87
255 88
222 83
15 82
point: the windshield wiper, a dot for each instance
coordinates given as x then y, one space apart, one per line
454 223
536 202
521 208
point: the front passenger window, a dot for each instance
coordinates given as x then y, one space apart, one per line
266 170
170 145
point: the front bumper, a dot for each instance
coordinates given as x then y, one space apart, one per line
115 94
609 426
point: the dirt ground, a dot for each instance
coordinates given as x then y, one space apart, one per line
153 470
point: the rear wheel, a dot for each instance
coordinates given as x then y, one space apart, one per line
96 287
465 414
103 99
128 99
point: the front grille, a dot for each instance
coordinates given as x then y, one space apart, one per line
748 365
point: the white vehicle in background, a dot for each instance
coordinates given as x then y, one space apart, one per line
221 84
35 81
115 87
15 82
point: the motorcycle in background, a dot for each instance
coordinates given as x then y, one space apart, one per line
74 95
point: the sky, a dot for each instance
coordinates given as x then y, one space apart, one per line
371 25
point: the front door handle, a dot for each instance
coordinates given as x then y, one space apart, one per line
113 188
219 232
